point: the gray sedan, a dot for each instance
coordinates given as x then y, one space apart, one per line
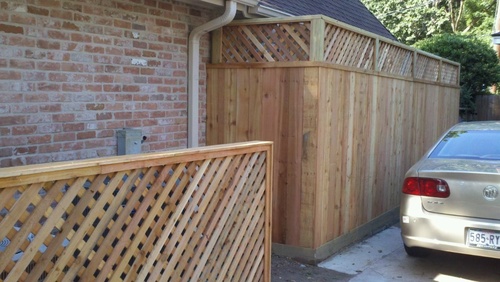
450 198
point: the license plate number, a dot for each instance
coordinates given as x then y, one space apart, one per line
484 239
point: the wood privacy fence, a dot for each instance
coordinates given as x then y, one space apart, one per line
192 215
348 112
487 107
322 39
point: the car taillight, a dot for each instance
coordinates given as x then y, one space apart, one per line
431 187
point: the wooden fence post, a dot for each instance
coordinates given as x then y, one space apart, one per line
317 40
440 71
415 59
376 66
217 46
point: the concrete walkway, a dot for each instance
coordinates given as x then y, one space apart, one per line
383 258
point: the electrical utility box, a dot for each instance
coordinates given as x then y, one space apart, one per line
129 141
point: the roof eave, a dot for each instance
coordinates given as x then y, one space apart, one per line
266 11
220 3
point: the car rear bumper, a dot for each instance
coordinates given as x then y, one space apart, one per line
420 228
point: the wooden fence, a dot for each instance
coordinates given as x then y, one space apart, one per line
191 215
343 140
349 112
487 107
322 39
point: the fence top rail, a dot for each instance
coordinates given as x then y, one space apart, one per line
20 175
341 25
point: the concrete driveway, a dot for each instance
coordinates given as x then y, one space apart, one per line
383 258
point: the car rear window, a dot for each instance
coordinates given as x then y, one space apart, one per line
471 144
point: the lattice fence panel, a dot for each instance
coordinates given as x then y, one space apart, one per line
281 42
196 219
395 60
449 73
348 48
427 68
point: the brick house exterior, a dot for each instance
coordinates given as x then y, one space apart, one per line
74 72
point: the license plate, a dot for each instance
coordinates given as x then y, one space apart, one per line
484 239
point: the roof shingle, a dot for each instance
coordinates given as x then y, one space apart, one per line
351 12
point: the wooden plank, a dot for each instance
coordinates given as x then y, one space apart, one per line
243 112
291 151
213 111
230 103
271 116
16 176
323 174
309 158
268 215
255 122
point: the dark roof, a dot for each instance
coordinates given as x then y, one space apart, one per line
351 12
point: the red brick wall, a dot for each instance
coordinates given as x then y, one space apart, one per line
74 72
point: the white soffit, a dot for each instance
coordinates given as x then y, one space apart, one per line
252 6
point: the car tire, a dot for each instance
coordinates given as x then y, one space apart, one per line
417 252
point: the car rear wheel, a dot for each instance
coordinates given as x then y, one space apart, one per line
417 251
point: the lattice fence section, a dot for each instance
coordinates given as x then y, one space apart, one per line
427 68
449 73
348 48
281 42
182 216
395 60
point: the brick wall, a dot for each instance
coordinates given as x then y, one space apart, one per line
74 72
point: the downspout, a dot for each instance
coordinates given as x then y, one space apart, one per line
194 68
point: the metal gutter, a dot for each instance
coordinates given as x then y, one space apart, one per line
194 68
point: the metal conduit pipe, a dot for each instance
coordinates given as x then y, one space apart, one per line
194 68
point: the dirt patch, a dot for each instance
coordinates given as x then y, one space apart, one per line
287 269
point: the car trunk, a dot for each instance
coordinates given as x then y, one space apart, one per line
468 180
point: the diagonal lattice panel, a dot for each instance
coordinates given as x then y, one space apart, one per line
427 68
170 217
395 60
321 39
449 73
286 42
347 48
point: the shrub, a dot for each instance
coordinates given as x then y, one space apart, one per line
479 63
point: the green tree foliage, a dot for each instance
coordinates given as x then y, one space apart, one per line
408 20
479 17
414 20
479 63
